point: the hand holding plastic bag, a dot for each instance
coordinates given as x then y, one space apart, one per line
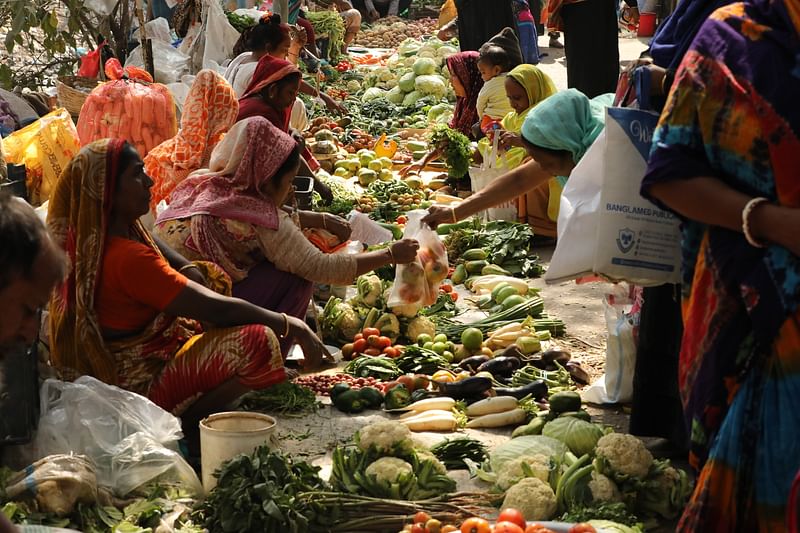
418 282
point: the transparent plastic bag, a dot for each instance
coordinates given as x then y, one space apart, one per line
418 282
131 440
57 482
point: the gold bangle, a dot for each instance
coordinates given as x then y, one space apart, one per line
286 323
187 267
746 212
453 214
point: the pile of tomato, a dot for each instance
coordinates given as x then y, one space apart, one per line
371 342
509 521
343 66
446 288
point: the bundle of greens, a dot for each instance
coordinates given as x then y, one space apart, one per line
330 24
452 452
258 493
344 199
285 399
454 148
508 244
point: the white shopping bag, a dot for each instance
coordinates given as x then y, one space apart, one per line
482 176
605 226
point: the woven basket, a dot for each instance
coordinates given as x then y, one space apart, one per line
72 92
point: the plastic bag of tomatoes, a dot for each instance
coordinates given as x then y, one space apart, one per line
418 282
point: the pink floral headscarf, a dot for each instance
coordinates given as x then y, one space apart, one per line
248 157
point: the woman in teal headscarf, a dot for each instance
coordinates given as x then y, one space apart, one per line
556 134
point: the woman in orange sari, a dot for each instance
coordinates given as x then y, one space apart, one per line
128 316
209 111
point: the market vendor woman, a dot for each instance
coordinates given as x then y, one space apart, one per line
129 313
231 214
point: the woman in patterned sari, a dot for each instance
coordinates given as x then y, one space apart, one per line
209 111
725 157
128 315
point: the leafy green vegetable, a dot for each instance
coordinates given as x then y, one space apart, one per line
454 148
257 493
383 368
508 244
452 452
579 436
329 23
285 399
615 512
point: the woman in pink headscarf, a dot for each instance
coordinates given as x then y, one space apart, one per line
231 215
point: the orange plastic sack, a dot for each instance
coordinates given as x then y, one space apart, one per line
141 113
44 147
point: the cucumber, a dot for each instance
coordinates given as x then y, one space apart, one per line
494 270
534 427
459 275
446 229
419 154
564 402
504 293
512 300
416 146
500 287
474 254
397 233
475 267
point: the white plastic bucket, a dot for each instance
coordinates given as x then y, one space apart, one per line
223 436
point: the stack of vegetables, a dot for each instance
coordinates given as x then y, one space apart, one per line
389 32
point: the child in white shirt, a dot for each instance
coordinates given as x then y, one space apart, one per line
493 63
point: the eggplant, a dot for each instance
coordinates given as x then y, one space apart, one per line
537 389
556 356
537 362
472 363
512 351
578 374
466 388
501 366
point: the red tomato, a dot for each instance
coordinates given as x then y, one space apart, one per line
371 331
391 352
475 525
359 346
513 516
384 342
582 528
454 296
375 341
358 337
421 517
374 352
537 528
507 527
446 287
402 219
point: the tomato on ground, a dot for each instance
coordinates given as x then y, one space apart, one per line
537 528
374 352
582 528
384 342
513 516
374 341
507 527
421 517
360 345
476 525
371 331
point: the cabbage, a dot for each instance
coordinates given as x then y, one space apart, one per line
521 446
424 65
395 96
430 85
440 113
408 47
446 51
353 86
411 98
409 61
384 74
373 93
580 436
407 82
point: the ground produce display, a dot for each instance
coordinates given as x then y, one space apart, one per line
454 403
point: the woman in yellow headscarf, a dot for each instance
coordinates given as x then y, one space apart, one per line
526 87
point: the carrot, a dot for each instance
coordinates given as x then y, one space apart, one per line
149 141
147 108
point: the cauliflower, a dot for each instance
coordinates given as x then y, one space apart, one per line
404 310
389 326
387 437
603 489
533 498
513 471
621 456
389 469
665 491
424 455
420 325
370 289
430 85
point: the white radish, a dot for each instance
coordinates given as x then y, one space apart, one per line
497 404
498 420
423 414
440 422
428 404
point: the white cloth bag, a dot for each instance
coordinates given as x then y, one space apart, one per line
605 226
492 168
